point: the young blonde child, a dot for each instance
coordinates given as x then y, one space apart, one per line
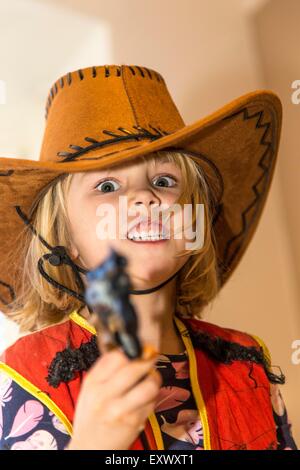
197 385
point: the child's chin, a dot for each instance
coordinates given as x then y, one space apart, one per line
153 272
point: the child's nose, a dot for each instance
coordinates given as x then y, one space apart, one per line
144 197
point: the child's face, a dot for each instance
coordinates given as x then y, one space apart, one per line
141 184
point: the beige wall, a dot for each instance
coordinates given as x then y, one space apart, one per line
264 296
209 53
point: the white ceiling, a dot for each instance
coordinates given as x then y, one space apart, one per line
40 47
41 40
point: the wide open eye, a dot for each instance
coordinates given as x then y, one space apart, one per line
165 181
108 186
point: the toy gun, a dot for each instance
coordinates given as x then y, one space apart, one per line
107 294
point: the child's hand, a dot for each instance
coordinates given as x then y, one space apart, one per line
116 397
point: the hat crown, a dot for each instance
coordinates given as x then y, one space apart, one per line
97 111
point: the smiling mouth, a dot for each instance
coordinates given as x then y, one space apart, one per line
149 242
147 238
148 231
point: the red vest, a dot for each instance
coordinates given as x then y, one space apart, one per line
235 413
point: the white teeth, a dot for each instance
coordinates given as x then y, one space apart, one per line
151 236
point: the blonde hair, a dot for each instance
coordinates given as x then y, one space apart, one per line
40 304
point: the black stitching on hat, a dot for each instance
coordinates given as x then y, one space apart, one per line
140 70
158 77
90 139
266 168
107 70
75 147
161 130
141 134
111 153
126 131
148 72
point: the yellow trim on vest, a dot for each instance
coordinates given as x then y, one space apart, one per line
156 431
77 318
194 382
265 348
38 394
82 322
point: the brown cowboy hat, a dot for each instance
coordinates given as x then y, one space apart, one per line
104 115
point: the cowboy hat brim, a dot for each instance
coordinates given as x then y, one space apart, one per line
237 147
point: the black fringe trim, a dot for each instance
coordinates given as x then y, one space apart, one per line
67 363
227 351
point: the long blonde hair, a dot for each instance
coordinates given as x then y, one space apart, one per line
40 303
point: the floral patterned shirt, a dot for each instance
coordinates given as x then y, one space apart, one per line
27 424
177 413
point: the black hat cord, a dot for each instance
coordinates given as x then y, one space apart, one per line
59 256
82 358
